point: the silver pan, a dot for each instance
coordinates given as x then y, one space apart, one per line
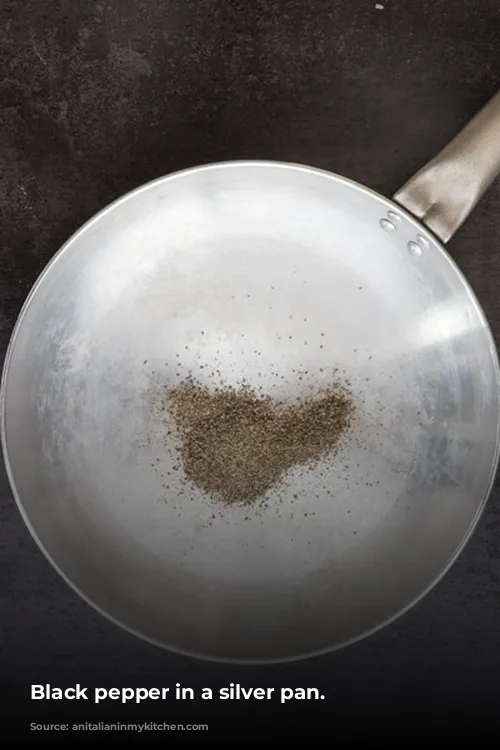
259 270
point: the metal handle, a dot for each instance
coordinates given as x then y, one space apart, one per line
445 191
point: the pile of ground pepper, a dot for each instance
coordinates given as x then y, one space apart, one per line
236 445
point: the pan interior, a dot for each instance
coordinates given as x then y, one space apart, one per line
261 272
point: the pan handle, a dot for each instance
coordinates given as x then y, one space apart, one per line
445 191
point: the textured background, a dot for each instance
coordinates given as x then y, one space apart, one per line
98 97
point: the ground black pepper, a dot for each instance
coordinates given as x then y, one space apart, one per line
236 445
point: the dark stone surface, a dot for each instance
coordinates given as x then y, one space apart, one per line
98 97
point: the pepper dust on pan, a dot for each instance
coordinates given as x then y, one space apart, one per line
236 445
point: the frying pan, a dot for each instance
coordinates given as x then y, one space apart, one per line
259 270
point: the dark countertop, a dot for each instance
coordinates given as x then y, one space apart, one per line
98 97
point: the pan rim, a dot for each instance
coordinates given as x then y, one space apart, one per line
65 247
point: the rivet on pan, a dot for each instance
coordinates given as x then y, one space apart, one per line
414 248
387 225
423 241
393 216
